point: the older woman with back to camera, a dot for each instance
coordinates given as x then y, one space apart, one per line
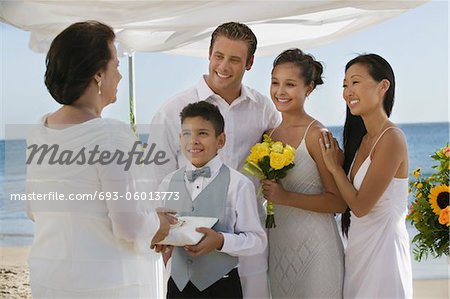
88 248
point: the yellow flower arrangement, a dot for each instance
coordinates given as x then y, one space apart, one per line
277 147
430 212
277 160
258 151
269 160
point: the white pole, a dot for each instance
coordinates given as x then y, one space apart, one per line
131 91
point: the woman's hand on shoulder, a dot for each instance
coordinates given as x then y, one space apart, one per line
327 163
326 147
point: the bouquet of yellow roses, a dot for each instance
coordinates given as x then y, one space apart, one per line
430 211
269 160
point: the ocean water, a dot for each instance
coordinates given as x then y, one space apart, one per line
17 230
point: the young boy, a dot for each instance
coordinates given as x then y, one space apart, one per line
231 56
209 188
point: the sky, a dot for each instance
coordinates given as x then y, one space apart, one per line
416 43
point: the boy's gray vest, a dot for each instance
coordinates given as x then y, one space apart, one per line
203 270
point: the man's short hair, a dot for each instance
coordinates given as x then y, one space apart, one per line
236 31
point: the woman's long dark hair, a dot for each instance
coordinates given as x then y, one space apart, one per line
354 128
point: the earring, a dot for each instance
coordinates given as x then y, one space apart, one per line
99 84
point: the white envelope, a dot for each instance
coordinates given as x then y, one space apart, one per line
184 233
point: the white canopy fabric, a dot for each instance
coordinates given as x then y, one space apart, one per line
185 27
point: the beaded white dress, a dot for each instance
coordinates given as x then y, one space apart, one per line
306 256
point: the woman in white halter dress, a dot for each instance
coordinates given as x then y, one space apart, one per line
379 239
377 257
306 256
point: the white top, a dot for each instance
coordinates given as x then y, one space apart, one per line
241 214
377 257
88 244
306 257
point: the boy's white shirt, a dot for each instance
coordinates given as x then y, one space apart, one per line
241 213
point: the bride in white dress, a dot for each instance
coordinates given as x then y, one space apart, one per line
377 258
306 258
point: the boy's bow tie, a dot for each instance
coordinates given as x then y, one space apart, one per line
191 175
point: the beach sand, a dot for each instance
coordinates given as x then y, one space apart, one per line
14 274
15 277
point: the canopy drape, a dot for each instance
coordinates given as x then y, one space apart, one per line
185 27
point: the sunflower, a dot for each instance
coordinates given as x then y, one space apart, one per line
439 198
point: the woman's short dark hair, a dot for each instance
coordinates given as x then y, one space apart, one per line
75 56
354 129
208 112
310 69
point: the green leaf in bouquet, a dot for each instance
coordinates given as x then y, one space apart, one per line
271 174
266 138
254 170
264 164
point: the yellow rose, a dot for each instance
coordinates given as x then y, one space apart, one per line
277 147
419 195
290 148
444 217
289 156
419 185
253 157
416 172
266 144
261 149
277 160
258 151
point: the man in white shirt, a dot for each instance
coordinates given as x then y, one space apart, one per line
247 113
